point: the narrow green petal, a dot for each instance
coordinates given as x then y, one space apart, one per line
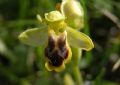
34 36
79 39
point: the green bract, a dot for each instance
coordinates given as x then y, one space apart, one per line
53 35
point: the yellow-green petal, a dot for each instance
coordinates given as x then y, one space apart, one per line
34 36
79 39
54 16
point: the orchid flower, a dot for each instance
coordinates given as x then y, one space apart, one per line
56 37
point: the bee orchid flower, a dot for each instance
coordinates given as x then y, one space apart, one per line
56 37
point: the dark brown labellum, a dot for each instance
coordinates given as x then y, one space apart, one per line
56 51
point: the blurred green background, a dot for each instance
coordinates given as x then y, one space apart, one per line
23 65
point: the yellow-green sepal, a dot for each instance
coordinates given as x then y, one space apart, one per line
79 40
34 36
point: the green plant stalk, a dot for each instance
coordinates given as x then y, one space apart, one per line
23 7
24 4
77 75
76 52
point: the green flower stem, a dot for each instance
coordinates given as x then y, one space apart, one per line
76 52
24 5
77 75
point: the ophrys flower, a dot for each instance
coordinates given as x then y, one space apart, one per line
57 37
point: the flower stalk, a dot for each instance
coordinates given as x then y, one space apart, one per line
77 52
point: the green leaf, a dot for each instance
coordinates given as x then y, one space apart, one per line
79 39
34 36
